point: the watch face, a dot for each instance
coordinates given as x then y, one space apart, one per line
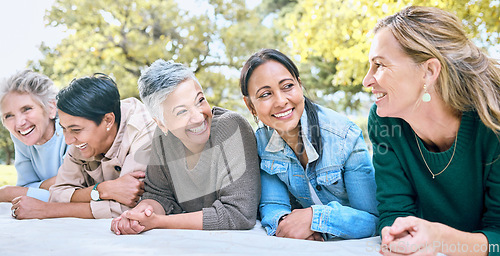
94 194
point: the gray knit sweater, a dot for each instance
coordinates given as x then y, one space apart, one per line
224 184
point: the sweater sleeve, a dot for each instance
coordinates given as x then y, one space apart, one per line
238 198
394 189
491 217
158 182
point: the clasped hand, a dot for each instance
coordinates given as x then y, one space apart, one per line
297 225
409 236
134 221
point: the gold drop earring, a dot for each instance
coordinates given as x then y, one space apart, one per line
426 97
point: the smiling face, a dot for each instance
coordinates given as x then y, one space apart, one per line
86 136
187 115
276 97
26 119
396 81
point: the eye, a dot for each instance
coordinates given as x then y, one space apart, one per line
201 100
7 116
181 112
76 131
26 109
288 86
264 95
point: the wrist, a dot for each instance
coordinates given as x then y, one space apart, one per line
102 188
282 218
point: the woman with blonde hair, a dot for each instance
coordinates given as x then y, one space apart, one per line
434 127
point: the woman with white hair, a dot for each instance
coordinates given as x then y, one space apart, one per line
28 107
204 168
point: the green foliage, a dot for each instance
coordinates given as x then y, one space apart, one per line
6 146
335 32
122 37
8 175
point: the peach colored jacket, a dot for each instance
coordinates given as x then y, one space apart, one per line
129 152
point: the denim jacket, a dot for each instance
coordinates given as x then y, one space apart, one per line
343 178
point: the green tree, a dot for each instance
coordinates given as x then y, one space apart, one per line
122 37
331 37
6 146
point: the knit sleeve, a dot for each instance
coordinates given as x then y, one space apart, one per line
491 217
238 164
394 189
158 184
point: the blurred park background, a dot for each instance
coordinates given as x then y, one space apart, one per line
328 39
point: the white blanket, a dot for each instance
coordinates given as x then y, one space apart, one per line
72 236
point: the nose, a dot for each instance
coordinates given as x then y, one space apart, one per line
368 79
197 115
281 99
68 138
20 120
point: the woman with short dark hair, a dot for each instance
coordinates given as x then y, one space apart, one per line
110 142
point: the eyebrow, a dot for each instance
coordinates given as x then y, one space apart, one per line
180 106
376 57
267 86
71 126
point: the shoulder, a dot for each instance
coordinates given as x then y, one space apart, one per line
136 116
335 123
228 120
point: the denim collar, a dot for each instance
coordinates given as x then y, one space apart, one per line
276 143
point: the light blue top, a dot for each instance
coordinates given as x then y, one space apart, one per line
343 178
35 164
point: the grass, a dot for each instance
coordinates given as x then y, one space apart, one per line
8 175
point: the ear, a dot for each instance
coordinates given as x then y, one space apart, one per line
432 70
249 105
52 109
109 120
160 124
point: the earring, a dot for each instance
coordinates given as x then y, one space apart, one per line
426 97
107 129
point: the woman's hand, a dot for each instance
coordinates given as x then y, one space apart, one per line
126 189
25 207
410 236
129 221
296 225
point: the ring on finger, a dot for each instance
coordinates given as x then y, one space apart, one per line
14 212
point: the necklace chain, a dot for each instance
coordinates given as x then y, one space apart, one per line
425 162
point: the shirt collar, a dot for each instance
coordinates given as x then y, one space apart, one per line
276 143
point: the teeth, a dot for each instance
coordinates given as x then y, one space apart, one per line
81 146
284 113
27 130
199 128
379 95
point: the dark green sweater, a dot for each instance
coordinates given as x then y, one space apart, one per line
466 196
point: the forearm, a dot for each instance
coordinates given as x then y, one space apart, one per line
454 242
343 221
46 184
190 220
7 193
82 195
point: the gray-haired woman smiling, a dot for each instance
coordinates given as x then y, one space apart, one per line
204 169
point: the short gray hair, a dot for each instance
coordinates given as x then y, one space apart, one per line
27 81
158 81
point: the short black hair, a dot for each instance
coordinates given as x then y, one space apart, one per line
90 97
